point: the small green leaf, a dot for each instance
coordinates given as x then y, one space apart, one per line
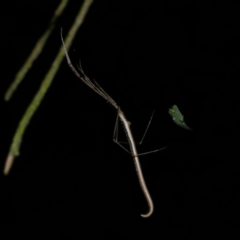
177 117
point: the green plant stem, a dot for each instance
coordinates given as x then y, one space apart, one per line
16 142
35 52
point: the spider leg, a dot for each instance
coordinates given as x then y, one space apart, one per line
147 128
157 150
115 135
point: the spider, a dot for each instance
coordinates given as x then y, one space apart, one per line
126 125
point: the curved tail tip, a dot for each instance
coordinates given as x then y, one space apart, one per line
147 214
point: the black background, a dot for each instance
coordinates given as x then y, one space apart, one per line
71 181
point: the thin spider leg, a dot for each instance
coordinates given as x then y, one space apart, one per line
95 84
110 99
85 76
115 129
79 66
115 135
85 79
93 87
147 128
152 151
121 146
90 83
100 91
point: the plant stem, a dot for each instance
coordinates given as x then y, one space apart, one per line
16 142
35 52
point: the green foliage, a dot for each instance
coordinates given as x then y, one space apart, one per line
177 117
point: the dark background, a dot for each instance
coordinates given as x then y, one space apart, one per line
71 181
